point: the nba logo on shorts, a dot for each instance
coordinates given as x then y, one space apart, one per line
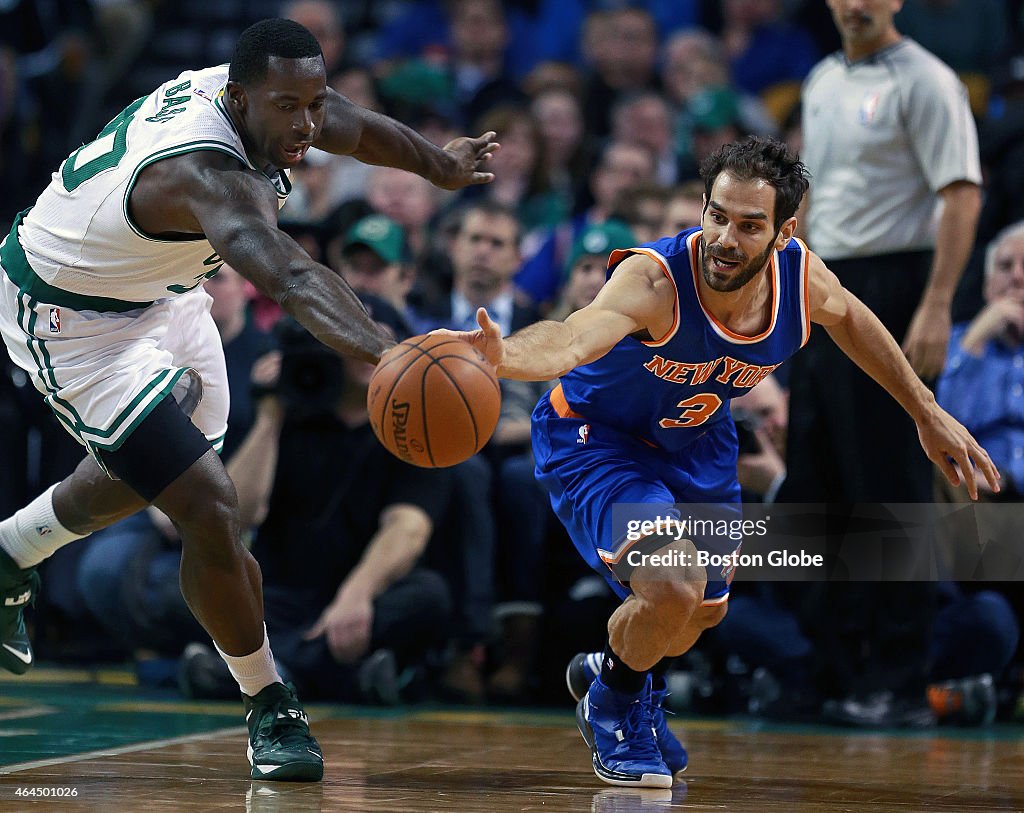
54 320
584 433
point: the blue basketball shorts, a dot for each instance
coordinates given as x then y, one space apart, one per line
588 468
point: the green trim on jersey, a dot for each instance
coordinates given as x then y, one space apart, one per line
154 396
15 263
217 442
286 182
171 152
283 189
218 104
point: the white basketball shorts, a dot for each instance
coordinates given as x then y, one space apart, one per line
102 373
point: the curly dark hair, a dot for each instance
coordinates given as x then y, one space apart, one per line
267 38
761 158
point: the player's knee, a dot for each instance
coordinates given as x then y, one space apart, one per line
205 511
88 500
708 616
674 598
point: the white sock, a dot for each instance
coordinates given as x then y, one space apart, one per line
34 533
254 672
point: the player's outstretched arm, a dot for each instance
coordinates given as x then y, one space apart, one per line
237 211
376 139
637 297
864 339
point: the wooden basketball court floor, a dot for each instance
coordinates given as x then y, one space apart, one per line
120 748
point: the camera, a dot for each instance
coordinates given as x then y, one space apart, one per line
312 376
746 432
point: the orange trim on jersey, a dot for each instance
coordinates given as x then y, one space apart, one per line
619 254
805 291
714 602
561 406
613 559
722 330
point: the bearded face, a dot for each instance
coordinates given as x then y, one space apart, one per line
739 234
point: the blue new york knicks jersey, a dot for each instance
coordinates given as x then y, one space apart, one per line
670 391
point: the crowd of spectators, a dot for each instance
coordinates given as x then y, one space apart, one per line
386 583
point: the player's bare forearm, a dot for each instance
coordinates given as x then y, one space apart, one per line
954 241
636 296
237 211
864 339
394 550
377 139
386 142
539 352
315 296
329 309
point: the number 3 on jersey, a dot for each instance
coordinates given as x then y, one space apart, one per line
104 153
696 410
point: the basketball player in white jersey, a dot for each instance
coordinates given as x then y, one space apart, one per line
102 304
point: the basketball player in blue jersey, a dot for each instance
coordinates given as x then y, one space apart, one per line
641 416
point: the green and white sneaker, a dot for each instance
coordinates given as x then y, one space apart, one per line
18 589
281 747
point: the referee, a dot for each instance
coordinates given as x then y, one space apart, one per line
893 153
894 202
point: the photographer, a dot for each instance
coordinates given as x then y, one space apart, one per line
342 525
760 418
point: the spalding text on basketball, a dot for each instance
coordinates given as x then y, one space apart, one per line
399 418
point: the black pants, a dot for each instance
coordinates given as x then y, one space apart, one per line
409 617
850 442
463 550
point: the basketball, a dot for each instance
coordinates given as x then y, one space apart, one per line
434 401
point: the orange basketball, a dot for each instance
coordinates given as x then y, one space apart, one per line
433 401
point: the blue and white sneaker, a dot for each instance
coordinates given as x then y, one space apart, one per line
583 670
619 729
672 750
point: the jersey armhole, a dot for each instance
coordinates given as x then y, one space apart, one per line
805 292
171 152
621 254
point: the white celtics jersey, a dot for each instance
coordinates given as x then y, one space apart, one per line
78 246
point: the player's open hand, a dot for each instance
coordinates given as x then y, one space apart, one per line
952 448
487 339
471 157
927 340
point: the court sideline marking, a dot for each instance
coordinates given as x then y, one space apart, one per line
124 749
31 711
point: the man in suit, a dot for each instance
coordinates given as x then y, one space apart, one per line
485 257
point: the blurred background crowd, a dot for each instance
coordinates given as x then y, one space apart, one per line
390 584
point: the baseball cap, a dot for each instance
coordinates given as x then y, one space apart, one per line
600 239
378 233
714 108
